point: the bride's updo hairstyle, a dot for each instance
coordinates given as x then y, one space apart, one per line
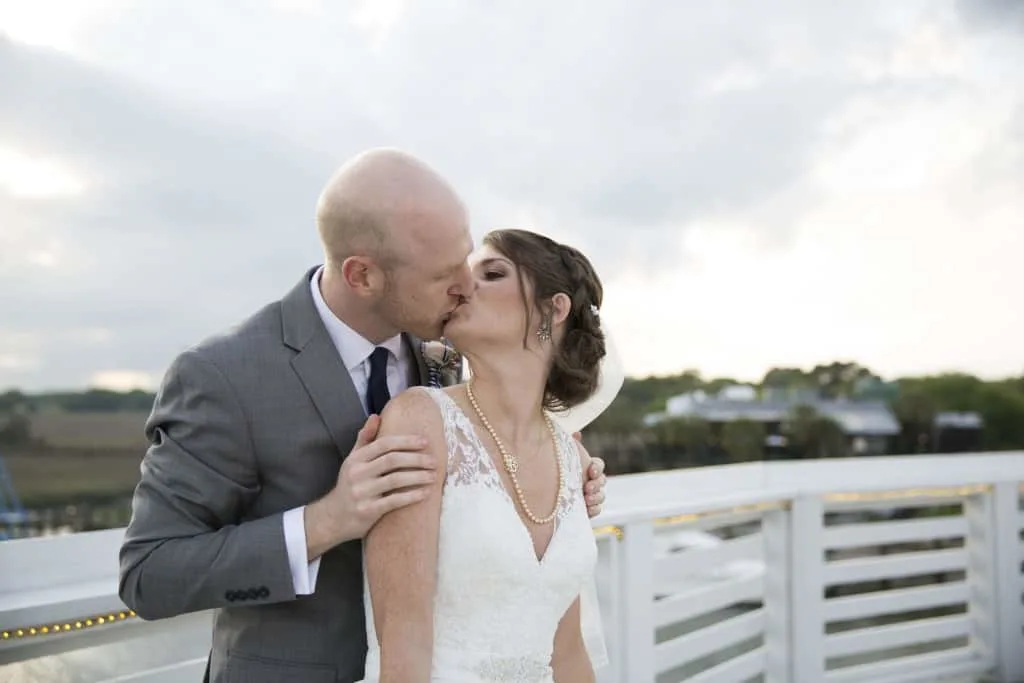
554 268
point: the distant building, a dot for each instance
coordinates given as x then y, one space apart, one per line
869 425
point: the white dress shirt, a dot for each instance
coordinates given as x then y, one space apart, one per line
355 355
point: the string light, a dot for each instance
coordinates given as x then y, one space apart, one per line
609 530
951 492
66 626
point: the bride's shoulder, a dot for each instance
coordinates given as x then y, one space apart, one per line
453 390
414 410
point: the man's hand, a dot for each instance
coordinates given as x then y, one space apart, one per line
378 476
593 490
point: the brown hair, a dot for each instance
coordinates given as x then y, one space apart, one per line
552 268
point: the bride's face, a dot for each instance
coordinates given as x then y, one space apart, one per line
495 312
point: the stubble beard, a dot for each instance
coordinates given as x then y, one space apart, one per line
400 315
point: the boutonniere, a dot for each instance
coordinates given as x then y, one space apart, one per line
443 363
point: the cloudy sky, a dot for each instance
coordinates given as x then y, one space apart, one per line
760 183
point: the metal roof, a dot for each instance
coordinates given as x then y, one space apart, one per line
855 417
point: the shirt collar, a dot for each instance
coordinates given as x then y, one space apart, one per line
353 348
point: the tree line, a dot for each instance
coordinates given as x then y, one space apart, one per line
88 401
915 401
622 438
17 408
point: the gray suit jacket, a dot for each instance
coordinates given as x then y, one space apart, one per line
245 426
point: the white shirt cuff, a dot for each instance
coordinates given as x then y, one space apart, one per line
304 573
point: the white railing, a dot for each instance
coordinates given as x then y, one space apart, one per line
872 570
866 570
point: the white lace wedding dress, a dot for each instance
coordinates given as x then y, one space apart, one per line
497 604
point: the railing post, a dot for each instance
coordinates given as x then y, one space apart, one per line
982 603
807 589
775 529
610 606
1008 617
637 595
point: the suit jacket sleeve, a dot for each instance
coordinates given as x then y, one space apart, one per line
186 548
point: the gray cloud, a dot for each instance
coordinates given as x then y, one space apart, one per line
603 115
207 134
194 221
992 14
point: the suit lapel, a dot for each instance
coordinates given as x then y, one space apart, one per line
320 368
330 387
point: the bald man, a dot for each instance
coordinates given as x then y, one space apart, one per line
264 470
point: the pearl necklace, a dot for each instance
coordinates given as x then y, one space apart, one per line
512 466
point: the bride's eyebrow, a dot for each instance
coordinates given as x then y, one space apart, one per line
493 260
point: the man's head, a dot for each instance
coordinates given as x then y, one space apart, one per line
395 237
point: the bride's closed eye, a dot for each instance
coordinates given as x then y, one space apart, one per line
492 269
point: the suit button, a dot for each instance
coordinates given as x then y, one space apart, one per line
252 594
230 596
264 592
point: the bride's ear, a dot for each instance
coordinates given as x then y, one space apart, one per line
561 305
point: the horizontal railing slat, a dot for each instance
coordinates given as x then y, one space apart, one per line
668 568
715 521
959 662
713 503
908 500
736 670
678 651
902 531
895 601
64 560
686 605
894 566
896 635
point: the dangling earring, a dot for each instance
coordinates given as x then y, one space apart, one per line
544 331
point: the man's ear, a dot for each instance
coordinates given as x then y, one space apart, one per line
561 305
361 274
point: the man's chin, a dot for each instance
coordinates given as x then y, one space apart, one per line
436 333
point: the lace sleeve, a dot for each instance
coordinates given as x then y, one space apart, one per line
572 462
467 462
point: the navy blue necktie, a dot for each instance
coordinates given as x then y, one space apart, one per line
377 394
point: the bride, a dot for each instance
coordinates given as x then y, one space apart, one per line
482 580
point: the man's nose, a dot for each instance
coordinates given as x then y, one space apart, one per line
464 285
